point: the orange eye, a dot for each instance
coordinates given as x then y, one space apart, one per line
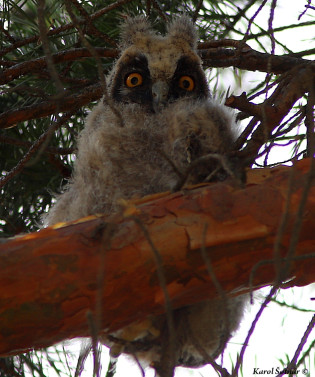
187 83
134 79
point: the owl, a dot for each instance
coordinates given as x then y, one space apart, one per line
157 124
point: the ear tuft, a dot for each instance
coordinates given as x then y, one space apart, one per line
183 28
132 28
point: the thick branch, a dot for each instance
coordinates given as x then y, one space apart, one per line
50 280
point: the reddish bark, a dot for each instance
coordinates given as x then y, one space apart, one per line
51 279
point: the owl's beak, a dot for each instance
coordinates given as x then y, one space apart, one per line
159 94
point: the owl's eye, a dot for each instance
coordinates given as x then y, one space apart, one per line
187 83
134 79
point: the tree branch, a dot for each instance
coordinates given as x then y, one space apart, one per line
69 104
292 86
244 57
36 65
49 280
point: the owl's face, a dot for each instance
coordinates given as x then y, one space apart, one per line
154 71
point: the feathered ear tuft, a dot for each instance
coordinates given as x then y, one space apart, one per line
183 28
132 28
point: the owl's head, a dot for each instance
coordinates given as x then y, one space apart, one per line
155 70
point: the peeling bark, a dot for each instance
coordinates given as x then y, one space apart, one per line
50 280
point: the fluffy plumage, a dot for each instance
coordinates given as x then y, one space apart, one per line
159 88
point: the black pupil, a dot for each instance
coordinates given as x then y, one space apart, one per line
134 81
186 84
